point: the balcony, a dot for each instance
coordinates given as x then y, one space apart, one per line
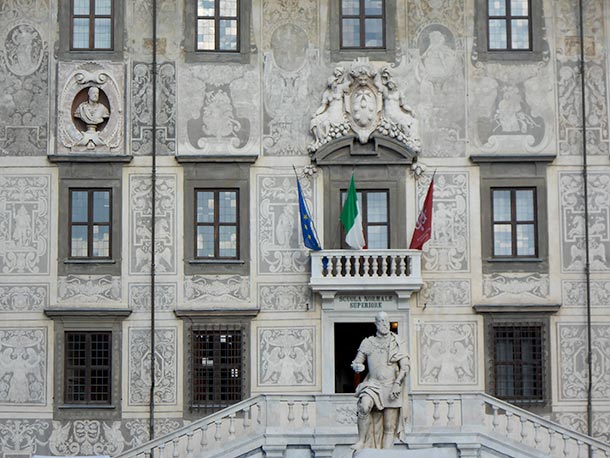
335 271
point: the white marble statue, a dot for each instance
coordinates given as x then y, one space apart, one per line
382 407
332 111
92 112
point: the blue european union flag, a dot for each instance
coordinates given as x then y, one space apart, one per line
310 239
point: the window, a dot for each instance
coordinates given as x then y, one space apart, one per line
216 218
514 222
362 24
91 25
375 224
88 366
518 362
509 25
217 25
90 223
217 375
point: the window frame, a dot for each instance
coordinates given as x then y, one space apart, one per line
90 223
364 208
67 52
387 53
216 224
514 223
92 16
88 368
508 17
217 18
362 17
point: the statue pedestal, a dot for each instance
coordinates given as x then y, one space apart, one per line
433 452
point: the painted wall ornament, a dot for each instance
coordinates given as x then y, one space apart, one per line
361 102
91 113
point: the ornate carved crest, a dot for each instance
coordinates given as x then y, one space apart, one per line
361 102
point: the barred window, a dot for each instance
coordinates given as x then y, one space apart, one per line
518 363
217 368
509 25
88 363
514 222
90 223
217 25
217 224
362 24
91 25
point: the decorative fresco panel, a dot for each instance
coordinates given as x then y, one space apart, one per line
286 356
575 293
23 437
24 83
166 371
165 296
284 297
516 286
572 361
445 292
25 225
448 249
24 297
577 421
447 353
87 437
139 428
217 289
141 107
280 248
573 221
140 221
89 289
23 366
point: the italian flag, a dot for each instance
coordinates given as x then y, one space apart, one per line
351 218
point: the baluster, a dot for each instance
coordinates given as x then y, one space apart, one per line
402 265
496 421
334 266
218 433
232 425
175 451
565 444
161 450
537 438
509 423
450 414
290 411
189 445
523 429
385 269
259 415
246 417
204 437
552 444
349 265
305 415
580 449
375 265
435 413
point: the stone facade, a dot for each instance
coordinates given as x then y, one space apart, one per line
439 104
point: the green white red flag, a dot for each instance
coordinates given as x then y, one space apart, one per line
351 218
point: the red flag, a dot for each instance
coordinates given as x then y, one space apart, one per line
423 227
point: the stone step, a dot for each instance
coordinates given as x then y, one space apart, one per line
433 452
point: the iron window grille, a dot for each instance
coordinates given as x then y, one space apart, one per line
217 377
217 25
362 24
90 223
509 25
515 222
91 25
518 363
88 363
216 224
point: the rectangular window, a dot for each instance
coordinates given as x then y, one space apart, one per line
217 377
517 364
90 223
514 222
509 25
362 24
91 23
217 25
88 363
217 224
375 217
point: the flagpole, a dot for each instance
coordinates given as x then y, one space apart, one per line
313 227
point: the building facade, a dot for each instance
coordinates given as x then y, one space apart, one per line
487 96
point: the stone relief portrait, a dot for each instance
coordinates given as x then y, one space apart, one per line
24 224
280 247
573 221
24 60
217 289
140 247
447 353
286 356
91 108
448 249
285 297
23 366
89 289
141 101
166 371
